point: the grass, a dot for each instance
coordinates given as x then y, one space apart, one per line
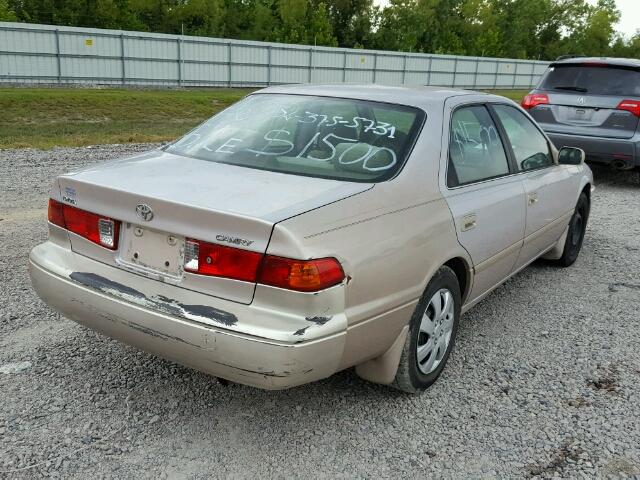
48 117
515 95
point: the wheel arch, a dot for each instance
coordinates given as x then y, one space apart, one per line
586 189
383 368
463 270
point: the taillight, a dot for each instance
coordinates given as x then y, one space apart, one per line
95 228
534 99
55 213
221 261
300 275
215 260
632 106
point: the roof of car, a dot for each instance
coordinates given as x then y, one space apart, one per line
620 62
416 96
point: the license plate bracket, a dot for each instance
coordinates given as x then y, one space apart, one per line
152 251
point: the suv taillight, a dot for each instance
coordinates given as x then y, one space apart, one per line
632 106
533 100
215 260
95 228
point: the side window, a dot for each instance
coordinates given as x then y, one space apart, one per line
475 150
529 145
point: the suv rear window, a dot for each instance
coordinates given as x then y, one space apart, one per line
342 139
593 79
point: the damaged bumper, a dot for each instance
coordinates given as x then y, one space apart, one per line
247 344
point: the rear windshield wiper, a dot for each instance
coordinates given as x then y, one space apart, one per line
571 88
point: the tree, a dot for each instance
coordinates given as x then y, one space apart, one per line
6 13
499 28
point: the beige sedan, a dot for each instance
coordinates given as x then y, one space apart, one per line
310 229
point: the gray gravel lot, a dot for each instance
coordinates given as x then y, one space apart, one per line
544 381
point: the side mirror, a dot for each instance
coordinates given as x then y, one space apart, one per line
571 156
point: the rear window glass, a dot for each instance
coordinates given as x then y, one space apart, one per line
593 80
326 137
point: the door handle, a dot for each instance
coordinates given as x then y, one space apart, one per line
468 222
533 198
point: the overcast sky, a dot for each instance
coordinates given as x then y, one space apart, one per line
629 21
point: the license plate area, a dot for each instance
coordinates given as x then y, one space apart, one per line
581 114
152 251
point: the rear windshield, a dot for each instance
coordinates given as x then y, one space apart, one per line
325 137
595 80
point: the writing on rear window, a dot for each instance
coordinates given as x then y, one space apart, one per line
315 136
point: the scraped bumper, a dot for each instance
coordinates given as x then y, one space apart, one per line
165 329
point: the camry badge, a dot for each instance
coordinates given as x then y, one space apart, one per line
144 212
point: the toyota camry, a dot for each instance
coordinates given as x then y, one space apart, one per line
310 229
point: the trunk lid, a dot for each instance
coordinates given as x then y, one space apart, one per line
190 198
583 114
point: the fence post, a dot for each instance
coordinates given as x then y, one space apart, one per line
429 71
344 66
375 66
310 63
229 64
122 61
495 76
404 68
179 45
58 55
515 75
475 74
268 65
455 69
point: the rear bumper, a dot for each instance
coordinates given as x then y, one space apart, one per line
239 357
602 149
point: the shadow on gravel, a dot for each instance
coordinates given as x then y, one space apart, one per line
604 175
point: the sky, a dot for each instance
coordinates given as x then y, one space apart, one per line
630 18
629 9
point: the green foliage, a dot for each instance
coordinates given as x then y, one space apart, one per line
541 29
6 13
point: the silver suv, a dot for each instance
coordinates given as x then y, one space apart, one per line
593 104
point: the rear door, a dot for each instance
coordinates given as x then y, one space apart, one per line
487 202
590 99
550 188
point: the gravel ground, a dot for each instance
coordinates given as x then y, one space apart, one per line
544 381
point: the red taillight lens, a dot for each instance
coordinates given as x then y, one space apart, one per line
534 99
215 260
55 213
96 228
300 275
632 106
221 261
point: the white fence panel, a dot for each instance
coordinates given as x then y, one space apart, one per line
48 54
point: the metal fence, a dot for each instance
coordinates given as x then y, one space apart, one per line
31 54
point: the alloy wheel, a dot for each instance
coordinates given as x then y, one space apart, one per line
435 332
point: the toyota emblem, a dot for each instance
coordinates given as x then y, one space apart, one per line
144 212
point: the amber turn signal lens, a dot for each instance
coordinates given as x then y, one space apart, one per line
300 275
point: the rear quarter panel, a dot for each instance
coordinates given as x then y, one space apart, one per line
390 240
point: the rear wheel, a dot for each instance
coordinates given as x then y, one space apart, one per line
575 235
432 333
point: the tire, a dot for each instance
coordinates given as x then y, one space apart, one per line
414 376
575 235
